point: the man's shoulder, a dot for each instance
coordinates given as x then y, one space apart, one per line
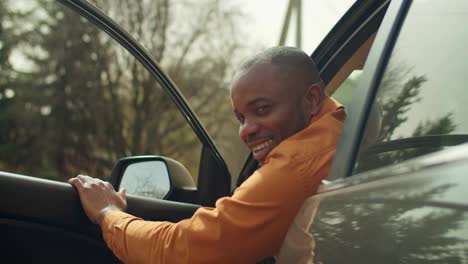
319 137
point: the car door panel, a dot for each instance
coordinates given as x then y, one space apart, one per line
39 200
42 221
415 211
25 241
412 208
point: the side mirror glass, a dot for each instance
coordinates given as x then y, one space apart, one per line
147 177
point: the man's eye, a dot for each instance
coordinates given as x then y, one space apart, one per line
262 110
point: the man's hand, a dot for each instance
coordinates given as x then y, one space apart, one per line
98 197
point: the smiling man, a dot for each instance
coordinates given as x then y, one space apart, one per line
292 129
275 95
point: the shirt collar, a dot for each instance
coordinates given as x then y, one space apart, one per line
327 105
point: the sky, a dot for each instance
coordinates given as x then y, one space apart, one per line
267 17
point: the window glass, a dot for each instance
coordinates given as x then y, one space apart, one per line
421 102
344 94
73 101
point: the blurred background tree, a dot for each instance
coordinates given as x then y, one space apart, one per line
80 101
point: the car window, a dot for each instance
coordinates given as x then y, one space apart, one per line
344 94
344 83
72 100
420 105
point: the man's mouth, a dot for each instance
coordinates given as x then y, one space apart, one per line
262 146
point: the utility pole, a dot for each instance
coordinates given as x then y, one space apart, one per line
293 6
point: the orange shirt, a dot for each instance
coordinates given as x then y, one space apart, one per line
251 224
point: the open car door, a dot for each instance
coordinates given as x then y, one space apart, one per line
82 94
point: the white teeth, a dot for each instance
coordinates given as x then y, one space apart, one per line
262 146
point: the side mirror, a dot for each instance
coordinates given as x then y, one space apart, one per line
146 176
154 177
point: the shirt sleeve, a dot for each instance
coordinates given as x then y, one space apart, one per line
243 228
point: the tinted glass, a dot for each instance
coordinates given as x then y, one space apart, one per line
345 92
73 101
421 102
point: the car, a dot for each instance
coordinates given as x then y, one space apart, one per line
80 94
396 190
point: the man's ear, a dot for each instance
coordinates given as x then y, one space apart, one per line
312 98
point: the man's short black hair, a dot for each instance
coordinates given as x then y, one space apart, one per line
290 61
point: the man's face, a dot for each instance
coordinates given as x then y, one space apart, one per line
269 108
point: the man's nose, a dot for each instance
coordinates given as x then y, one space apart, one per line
248 128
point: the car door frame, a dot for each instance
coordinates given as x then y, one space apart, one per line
354 126
53 209
402 178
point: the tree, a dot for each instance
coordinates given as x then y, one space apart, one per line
6 42
86 102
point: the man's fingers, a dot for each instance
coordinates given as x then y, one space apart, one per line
108 185
84 182
89 182
76 182
98 196
122 193
85 178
